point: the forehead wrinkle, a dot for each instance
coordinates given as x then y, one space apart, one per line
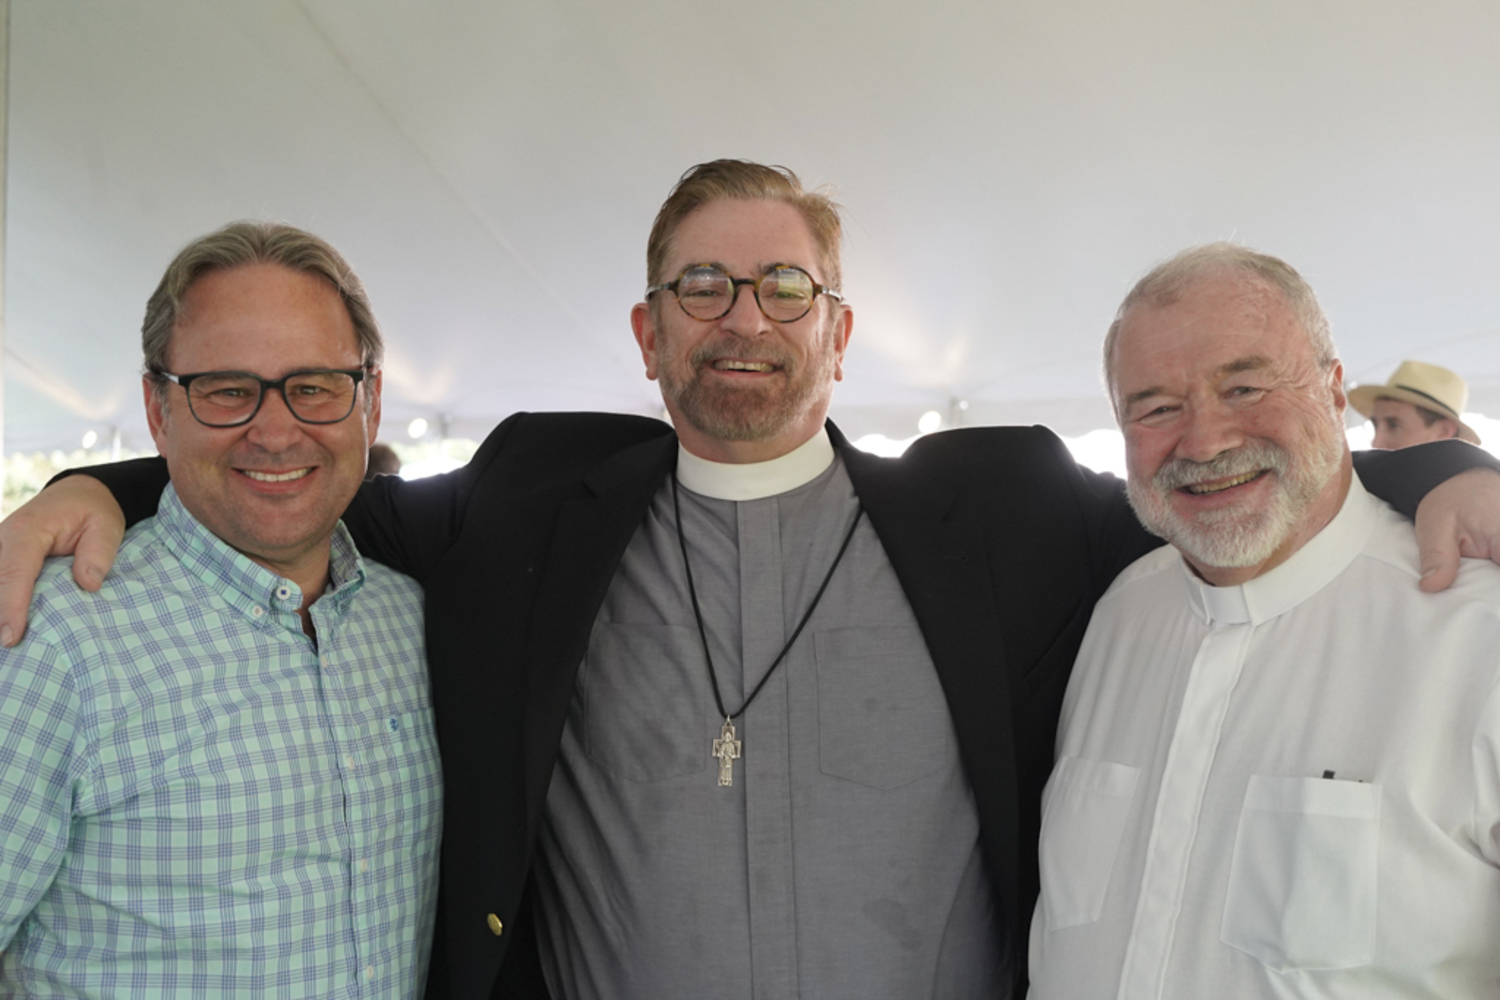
1250 363
1253 362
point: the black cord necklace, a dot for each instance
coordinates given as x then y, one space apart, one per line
726 748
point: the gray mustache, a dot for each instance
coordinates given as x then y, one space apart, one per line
1182 472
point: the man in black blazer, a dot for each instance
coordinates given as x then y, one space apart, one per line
999 542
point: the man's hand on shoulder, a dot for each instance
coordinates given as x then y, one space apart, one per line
75 516
1459 518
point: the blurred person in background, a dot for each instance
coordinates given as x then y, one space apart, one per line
1419 403
383 462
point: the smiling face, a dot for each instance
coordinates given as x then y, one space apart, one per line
743 388
273 488
1233 430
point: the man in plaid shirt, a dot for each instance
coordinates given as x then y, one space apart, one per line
218 775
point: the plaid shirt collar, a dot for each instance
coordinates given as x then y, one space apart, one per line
259 594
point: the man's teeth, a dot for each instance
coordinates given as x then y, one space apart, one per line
276 477
743 366
1223 484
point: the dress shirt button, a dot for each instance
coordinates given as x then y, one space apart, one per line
283 592
349 761
496 927
369 973
364 865
257 612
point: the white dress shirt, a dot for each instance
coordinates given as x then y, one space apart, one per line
1289 788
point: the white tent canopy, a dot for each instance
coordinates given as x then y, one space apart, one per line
492 168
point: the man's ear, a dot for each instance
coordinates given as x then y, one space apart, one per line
643 324
843 329
1336 384
156 415
373 382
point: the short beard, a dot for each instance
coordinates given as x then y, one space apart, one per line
749 412
1233 538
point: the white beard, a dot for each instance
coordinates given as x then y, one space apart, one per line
1236 537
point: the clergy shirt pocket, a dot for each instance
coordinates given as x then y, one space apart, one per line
648 707
1084 811
882 718
1302 881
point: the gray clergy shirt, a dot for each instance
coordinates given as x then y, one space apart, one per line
844 860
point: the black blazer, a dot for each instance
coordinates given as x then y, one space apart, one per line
1001 542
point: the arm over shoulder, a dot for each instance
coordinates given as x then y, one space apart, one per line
1402 478
409 525
1031 482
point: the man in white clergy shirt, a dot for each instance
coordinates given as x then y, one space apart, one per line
1278 763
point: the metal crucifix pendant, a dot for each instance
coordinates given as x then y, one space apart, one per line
726 752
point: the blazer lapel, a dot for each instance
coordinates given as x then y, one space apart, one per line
588 541
942 564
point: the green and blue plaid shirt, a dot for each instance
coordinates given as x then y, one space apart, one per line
198 800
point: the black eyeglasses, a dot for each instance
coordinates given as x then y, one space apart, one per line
784 293
229 399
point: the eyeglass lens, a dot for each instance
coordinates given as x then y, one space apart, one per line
784 293
230 398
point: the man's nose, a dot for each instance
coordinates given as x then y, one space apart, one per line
274 426
1211 429
744 316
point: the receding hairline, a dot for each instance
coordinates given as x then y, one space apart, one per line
189 303
1170 281
744 180
245 243
758 266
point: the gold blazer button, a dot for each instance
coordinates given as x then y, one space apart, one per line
496 927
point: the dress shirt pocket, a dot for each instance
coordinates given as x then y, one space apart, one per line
882 718
1084 811
648 709
406 744
1302 881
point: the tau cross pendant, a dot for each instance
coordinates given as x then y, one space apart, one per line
726 752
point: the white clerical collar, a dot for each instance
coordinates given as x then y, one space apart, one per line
1307 571
756 480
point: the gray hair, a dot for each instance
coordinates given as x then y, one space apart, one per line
1166 283
243 243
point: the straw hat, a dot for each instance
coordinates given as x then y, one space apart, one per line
1428 386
